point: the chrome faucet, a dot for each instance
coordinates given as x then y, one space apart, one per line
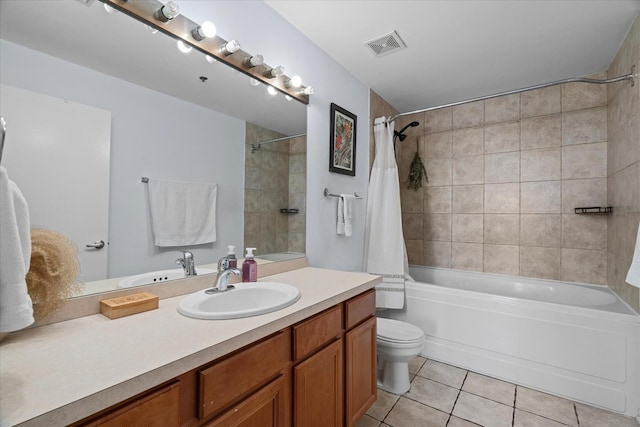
188 264
222 284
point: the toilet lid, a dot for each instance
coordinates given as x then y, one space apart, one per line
396 331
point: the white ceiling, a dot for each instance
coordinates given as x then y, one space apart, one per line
458 50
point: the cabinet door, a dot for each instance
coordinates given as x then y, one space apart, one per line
318 389
265 408
360 366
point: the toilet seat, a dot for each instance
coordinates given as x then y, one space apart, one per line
395 331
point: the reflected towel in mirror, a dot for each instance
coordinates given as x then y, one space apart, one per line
182 213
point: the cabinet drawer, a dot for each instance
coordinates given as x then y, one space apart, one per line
359 308
158 409
317 331
231 378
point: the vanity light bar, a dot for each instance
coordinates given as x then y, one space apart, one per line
182 29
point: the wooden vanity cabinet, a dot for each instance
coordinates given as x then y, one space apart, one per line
318 372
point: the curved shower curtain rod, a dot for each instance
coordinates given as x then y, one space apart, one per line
629 76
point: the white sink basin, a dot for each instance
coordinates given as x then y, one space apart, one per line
160 276
245 300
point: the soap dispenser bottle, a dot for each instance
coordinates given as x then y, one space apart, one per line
249 267
231 257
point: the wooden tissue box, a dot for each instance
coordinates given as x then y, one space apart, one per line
114 308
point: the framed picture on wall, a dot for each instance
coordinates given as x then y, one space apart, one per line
342 158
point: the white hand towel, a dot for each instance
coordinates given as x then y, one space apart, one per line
348 213
340 225
633 275
16 309
182 213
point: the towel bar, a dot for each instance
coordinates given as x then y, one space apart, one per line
328 194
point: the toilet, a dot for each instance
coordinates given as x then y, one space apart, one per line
398 343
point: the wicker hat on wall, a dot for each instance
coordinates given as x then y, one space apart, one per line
53 273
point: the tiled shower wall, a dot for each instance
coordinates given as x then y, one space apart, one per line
505 175
623 171
275 178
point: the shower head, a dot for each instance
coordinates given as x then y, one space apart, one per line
400 134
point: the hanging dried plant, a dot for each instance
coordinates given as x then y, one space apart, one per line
417 172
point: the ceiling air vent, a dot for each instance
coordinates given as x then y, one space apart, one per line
386 43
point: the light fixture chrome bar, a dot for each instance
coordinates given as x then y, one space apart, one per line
255 147
629 76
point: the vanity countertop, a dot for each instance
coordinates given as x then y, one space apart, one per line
63 372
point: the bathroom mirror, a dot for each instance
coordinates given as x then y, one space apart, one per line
209 100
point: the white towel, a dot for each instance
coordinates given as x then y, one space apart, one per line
340 225
347 201
633 275
16 309
182 213
390 293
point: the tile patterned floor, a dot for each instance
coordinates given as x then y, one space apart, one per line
444 395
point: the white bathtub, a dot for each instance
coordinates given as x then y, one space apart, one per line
576 341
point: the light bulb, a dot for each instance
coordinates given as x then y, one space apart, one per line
253 61
183 47
210 59
308 90
275 72
254 82
206 30
294 81
272 90
230 47
167 12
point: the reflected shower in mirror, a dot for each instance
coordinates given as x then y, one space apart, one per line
166 122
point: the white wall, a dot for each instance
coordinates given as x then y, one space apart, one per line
152 135
261 30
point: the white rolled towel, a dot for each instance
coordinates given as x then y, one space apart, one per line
633 275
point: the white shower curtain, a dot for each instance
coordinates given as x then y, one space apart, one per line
384 250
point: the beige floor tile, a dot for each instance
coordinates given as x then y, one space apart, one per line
383 405
491 388
368 421
416 364
458 422
527 419
596 417
408 413
433 393
546 405
482 411
443 373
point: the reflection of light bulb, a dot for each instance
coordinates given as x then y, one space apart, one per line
308 90
288 98
184 48
206 30
210 59
254 82
153 30
230 47
294 81
272 90
109 9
